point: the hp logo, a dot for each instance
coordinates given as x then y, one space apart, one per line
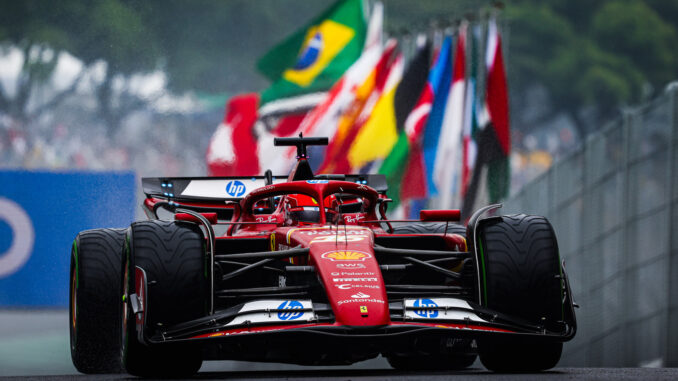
432 313
291 306
235 188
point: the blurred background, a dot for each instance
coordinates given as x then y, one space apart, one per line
96 94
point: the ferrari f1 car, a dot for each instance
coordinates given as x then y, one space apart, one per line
307 269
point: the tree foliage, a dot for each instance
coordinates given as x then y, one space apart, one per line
594 56
590 56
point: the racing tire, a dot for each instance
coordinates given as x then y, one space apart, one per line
431 362
519 355
421 228
172 255
93 300
520 277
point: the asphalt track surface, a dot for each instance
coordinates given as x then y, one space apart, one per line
34 345
474 374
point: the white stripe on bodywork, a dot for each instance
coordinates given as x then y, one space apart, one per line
443 312
256 312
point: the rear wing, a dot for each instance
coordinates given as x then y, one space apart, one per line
221 189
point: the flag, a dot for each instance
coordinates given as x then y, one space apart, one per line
470 118
317 55
493 136
324 118
352 121
232 150
496 98
441 77
409 102
414 175
381 124
448 155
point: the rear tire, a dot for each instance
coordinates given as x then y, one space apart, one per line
521 278
172 254
94 300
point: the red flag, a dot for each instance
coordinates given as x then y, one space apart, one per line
233 148
414 178
496 95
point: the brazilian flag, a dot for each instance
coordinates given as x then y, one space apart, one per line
316 56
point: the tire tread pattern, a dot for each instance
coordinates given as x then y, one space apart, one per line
95 347
172 254
522 266
430 228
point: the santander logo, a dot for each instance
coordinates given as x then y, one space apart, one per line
360 295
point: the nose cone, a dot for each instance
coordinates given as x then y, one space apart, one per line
352 278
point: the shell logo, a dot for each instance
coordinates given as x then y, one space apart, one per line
346 256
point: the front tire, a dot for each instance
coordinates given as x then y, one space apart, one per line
172 254
94 300
521 277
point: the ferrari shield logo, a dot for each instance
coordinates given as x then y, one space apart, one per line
363 309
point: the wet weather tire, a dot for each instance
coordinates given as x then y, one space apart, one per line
432 228
94 300
172 255
520 277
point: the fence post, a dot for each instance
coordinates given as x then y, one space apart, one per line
627 350
671 356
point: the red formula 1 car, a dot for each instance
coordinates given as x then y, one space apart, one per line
308 270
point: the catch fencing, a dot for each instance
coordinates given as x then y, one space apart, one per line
614 207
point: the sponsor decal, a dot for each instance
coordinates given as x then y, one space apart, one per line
235 188
266 219
350 266
272 239
325 230
260 190
351 273
350 219
333 232
342 280
348 286
345 255
360 295
363 309
362 300
317 181
339 237
426 313
21 238
291 307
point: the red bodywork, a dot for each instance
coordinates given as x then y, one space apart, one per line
358 289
